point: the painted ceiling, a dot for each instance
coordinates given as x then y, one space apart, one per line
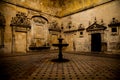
58 8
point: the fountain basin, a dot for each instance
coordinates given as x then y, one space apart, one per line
56 45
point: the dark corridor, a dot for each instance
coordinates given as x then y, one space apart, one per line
96 42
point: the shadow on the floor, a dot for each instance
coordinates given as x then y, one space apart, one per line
60 60
99 54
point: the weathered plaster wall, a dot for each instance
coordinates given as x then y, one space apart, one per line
105 12
8 16
38 31
9 11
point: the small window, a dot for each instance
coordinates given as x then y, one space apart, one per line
114 29
81 33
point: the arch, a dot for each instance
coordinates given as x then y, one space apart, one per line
39 39
41 17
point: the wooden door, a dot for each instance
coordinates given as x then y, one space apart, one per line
96 42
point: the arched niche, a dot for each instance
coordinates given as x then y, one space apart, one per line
39 31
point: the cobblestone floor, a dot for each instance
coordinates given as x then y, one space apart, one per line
40 67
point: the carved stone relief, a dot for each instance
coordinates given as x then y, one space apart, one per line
54 26
39 31
114 24
20 28
20 20
96 26
69 25
39 20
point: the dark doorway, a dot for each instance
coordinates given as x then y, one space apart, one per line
96 42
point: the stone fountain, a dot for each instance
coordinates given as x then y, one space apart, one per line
60 45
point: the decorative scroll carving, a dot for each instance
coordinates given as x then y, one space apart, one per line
96 27
20 20
114 23
73 29
54 27
70 28
39 20
69 25
81 28
2 20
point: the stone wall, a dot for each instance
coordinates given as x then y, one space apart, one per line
18 34
103 12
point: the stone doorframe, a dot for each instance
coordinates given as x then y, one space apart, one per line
20 23
17 29
103 43
96 42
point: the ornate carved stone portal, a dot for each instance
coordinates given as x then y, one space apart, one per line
95 30
20 31
96 27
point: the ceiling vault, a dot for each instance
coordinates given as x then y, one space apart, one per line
57 8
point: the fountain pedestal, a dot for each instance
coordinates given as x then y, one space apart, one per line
60 45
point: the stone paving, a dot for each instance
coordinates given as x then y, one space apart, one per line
40 67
